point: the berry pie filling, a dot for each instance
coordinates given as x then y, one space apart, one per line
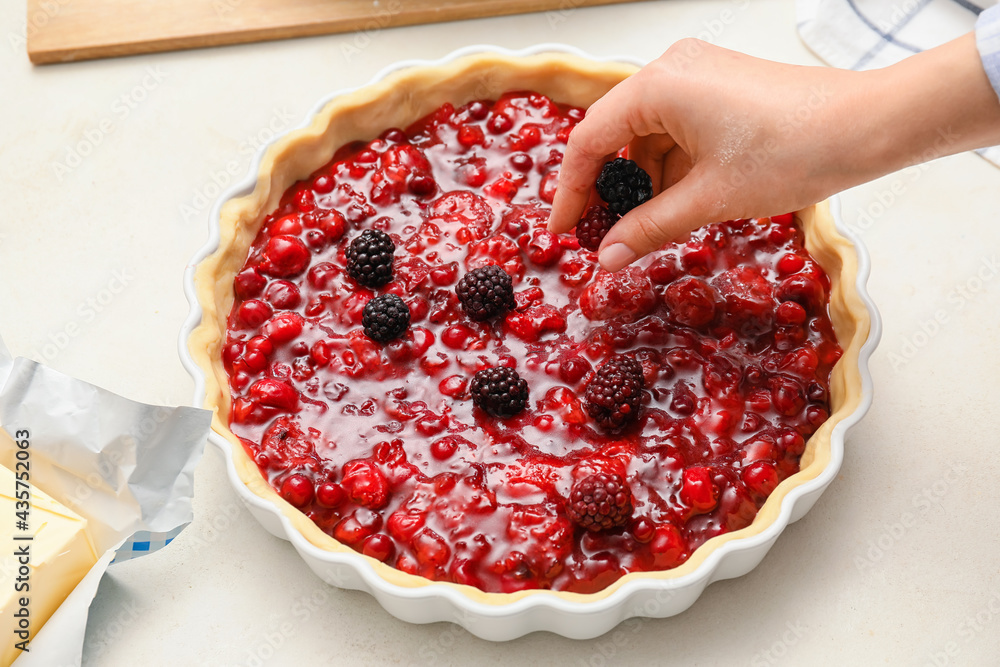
532 421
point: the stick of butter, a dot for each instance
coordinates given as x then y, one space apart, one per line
39 566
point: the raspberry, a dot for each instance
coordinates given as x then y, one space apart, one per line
667 546
612 397
748 300
486 292
600 502
698 489
627 294
275 394
761 478
385 317
594 226
544 248
365 484
624 185
369 258
462 208
691 301
499 391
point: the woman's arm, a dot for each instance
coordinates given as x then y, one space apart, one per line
725 135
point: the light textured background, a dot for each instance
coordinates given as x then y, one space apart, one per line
96 248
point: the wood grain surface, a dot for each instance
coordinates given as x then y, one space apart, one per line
70 30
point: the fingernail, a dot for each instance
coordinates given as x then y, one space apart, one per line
616 256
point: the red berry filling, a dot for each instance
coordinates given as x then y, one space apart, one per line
380 443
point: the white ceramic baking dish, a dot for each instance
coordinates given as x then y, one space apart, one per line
495 616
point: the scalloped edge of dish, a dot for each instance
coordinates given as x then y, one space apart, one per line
652 594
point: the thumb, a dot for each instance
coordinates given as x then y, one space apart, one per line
666 217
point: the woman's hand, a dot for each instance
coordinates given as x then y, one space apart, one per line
725 135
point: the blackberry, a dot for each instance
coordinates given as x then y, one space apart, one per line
600 502
613 395
624 185
369 258
499 391
594 226
485 292
385 317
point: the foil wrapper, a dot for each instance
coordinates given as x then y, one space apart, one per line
126 467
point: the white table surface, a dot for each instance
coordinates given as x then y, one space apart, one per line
98 248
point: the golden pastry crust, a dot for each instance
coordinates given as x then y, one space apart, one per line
397 101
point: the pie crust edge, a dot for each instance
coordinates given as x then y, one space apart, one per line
400 99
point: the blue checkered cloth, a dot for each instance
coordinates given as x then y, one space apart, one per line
988 42
145 542
868 34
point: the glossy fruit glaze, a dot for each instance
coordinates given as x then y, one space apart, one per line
380 445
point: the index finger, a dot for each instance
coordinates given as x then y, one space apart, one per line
611 123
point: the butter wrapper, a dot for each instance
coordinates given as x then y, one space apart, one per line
125 469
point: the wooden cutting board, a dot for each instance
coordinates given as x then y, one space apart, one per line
68 30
